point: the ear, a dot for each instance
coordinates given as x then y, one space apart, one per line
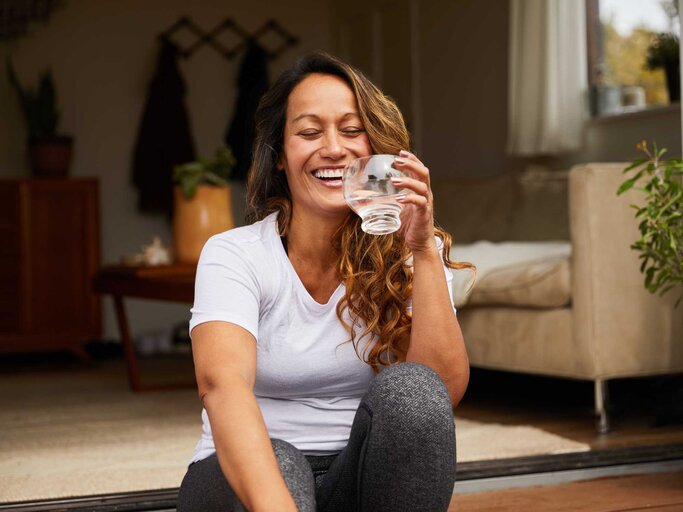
279 165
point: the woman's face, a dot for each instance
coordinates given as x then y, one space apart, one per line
323 133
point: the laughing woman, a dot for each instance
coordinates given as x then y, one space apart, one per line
328 360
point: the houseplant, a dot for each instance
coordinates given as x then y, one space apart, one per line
661 218
663 53
202 203
49 152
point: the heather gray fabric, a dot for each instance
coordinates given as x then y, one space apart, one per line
401 452
205 489
400 456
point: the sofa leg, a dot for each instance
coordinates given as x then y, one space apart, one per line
601 398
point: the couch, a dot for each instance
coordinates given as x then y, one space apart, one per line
578 308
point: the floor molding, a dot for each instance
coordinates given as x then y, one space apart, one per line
568 461
562 477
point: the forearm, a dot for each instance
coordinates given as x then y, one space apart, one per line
436 339
244 449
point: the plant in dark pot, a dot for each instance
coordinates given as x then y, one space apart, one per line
50 153
663 53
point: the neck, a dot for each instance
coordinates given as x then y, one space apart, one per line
309 238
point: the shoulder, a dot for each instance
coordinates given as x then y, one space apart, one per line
247 242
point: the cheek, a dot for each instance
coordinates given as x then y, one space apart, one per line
297 152
362 145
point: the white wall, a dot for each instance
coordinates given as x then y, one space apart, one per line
103 54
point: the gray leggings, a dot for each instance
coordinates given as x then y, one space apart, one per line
400 456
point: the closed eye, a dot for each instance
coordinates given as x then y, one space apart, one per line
352 131
310 133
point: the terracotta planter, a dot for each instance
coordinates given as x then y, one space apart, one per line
195 221
50 157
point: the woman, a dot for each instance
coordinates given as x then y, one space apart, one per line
300 317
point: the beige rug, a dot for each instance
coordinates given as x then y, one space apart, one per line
81 434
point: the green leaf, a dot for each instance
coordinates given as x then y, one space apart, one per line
626 185
636 163
215 172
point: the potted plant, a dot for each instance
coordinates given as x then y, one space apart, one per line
661 218
202 203
49 152
663 53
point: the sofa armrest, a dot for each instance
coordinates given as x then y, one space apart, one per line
623 329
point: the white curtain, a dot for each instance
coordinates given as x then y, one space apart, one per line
547 76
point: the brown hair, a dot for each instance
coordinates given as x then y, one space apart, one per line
373 268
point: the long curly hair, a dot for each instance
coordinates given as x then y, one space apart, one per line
374 269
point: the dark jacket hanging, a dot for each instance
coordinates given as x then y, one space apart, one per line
164 137
252 83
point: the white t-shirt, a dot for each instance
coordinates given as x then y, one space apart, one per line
309 380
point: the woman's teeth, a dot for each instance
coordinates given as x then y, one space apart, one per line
328 174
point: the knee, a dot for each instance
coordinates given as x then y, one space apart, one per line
288 457
297 474
412 392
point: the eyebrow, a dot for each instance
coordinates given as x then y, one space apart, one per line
316 117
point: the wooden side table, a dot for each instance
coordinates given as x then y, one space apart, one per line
172 283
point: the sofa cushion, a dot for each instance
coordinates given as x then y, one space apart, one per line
541 284
516 206
472 209
528 274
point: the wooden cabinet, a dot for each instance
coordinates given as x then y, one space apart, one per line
49 253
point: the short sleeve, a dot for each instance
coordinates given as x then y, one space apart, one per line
227 288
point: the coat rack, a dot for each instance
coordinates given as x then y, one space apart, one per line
228 24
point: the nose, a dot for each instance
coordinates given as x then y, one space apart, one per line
332 147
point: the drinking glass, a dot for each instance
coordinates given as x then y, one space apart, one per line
369 192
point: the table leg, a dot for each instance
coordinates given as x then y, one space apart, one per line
127 342
131 356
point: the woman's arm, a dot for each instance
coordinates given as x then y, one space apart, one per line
435 338
225 366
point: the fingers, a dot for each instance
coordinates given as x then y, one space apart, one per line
417 200
419 187
408 162
417 174
416 182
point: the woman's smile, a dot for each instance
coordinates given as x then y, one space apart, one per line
329 176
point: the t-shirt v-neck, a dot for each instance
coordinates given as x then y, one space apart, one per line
336 294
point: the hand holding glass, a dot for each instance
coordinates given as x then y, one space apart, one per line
369 191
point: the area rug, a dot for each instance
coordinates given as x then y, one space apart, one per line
83 434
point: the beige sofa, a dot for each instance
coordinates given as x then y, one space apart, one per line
605 325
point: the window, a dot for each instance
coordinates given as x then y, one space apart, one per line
632 54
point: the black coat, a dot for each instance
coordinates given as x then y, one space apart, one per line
164 138
252 83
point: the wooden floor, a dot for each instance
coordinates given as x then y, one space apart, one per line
654 492
643 411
